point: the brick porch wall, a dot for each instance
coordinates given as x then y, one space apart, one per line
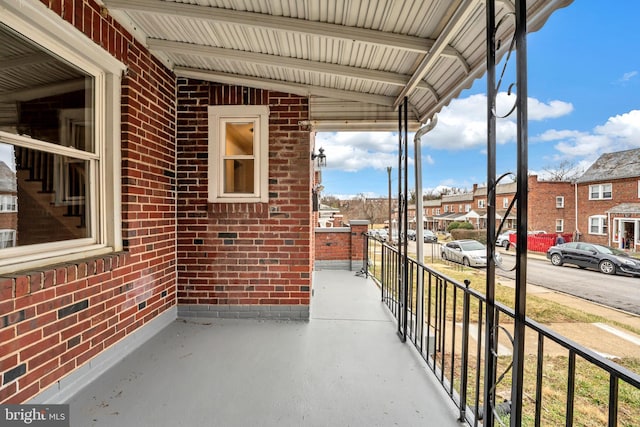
244 259
340 248
53 321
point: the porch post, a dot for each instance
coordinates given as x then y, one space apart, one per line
523 206
490 328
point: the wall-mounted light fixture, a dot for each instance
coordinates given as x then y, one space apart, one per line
321 157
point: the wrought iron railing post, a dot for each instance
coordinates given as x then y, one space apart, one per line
490 362
522 183
465 352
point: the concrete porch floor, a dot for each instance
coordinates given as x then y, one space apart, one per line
344 367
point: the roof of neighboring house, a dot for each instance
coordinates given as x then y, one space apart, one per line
462 197
625 208
610 166
7 179
432 202
509 188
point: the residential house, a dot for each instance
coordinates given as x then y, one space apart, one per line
551 206
608 196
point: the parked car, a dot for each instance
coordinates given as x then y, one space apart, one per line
467 252
427 236
503 239
605 259
411 234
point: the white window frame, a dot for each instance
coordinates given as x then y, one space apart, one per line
7 235
559 202
600 190
638 189
481 204
600 225
45 28
505 202
559 225
8 203
467 208
220 115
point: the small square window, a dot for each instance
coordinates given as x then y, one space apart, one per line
238 154
559 201
559 225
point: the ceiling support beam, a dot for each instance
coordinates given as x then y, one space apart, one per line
449 31
277 85
281 23
156 45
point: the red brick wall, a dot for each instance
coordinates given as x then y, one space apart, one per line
333 244
55 319
542 205
244 253
9 220
341 247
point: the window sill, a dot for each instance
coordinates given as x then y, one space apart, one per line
50 261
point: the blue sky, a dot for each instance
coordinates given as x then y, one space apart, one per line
584 100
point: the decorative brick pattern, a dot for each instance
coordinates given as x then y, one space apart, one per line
244 254
56 319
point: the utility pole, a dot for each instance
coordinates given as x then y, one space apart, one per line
390 231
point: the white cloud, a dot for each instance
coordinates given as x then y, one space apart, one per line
628 76
354 151
462 125
620 132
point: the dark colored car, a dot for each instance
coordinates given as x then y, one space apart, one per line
605 259
427 235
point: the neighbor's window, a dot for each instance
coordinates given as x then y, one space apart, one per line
7 238
57 174
467 208
481 204
599 191
559 201
238 153
505 202
559 225
598 224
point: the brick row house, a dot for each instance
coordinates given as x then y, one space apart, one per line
601 206
551 207
608 196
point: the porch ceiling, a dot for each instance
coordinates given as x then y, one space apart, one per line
356 59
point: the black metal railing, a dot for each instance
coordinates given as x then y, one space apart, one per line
446 326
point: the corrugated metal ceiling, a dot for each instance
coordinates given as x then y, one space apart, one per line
355 59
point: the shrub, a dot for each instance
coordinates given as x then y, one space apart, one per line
460 225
